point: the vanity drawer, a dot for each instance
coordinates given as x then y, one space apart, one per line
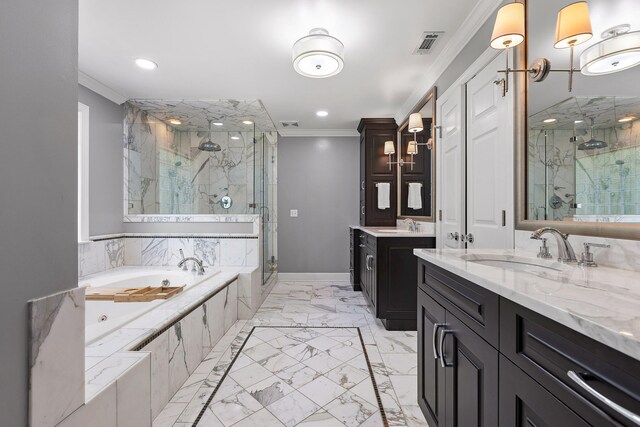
475 306
548 351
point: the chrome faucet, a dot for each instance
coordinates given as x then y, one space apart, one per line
412 224
196 261
565 251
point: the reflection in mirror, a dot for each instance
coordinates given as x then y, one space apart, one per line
583 147
196 157
416 175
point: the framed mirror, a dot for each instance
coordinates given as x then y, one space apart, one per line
416 175
578 151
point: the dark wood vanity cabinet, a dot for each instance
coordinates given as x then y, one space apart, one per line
388 278
486 361
375 170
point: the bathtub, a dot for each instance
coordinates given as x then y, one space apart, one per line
104 317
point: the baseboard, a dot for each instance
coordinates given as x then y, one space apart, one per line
310 277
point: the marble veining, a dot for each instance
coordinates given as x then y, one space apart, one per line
601 303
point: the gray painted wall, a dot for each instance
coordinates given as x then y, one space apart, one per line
319 177
38 171
105 163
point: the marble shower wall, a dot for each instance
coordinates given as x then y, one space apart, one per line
608 180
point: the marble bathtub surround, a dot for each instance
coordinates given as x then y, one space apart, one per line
56 376
219 251
306 368
601 303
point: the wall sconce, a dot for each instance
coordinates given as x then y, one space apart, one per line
415 126
573 27
389 150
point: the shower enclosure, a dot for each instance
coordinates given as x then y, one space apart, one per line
203 158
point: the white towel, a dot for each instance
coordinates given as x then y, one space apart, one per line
384 195
415 195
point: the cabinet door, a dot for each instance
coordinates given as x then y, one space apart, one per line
471 376
525 403
363 267
431 375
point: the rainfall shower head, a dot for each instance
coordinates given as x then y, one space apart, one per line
209 145
592 143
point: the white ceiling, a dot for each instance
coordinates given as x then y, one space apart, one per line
213 49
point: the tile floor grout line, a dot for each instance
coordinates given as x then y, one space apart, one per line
373 380
224 376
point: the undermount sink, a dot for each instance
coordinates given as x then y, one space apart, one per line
389 230
516 263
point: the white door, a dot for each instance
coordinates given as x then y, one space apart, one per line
489 160
450 153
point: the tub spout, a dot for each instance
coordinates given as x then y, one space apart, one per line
196 261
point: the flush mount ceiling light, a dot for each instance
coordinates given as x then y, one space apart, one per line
322 113
146 64
318 55
618 50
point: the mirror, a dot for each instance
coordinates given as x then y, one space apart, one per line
416 196
580 150
197 157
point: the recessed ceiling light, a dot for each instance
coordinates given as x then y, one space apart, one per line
578 121
549 120
235 137
175 122
217 123
322 113
626 119
247 122
146 64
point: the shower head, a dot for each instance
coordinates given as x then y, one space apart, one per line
209 145
592 143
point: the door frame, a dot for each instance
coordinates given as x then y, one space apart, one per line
478 65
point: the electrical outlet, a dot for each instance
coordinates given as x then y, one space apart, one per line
293 213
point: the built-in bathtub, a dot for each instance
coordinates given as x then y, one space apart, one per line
104 317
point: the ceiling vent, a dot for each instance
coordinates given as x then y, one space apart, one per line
289 123
427 42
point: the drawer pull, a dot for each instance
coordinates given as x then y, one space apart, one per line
434 335
578 379
443 357
362 246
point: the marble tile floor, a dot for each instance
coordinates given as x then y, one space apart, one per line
300 362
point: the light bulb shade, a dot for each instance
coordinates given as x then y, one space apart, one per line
508 31
412 148
573 25
318 55
389 148
611 55
415 123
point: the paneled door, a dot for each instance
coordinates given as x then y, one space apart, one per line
451 215
489 160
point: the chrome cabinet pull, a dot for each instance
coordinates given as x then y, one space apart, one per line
453 236
443 357
436 326
467 238
362 186
362 210
577 378
361 245
368 265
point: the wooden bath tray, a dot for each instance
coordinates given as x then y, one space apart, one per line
145 294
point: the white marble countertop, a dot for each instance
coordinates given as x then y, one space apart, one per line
391 232
599 302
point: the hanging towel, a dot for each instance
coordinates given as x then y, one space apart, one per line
384 192
415 196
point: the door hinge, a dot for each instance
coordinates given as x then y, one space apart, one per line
504 218
440 215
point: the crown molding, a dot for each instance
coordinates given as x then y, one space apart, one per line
317 132
472 23
100 88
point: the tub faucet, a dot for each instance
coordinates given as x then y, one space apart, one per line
196 261
565 251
